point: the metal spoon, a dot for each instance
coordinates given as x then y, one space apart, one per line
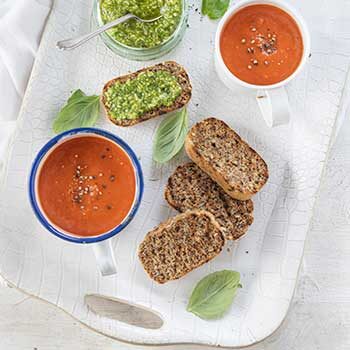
70 44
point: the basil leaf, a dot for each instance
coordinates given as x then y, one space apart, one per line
80 111
214 9
170 136
213 295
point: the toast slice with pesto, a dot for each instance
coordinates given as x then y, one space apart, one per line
189 187
147 93
180 244
220 152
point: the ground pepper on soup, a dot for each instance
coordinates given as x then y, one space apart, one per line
87 186
261 44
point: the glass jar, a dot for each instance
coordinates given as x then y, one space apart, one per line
141 54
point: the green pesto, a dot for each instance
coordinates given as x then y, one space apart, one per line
142 35
146 92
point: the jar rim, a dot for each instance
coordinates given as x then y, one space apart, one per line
117 46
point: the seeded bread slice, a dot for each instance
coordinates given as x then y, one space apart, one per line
180 244
190 188
172 67
226 158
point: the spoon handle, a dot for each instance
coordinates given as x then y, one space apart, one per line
70 44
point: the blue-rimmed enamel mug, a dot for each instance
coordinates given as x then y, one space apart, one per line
101 243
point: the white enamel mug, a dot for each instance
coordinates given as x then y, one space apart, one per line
101 243
272 99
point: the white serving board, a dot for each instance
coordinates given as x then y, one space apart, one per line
268 257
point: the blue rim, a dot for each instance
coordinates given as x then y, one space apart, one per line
33 173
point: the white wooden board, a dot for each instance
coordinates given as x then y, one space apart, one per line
268 257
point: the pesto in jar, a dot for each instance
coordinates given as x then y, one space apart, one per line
137 34
147 92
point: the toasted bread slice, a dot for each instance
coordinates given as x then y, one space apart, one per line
226 158
174 69
180 244
190 188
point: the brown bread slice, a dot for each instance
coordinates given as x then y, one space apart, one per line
180 244
176 70
190 188
226 158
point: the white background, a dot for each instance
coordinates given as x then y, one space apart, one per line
319 317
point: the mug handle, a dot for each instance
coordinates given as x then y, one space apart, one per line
274 106
105 257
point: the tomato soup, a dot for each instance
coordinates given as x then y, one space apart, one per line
261 44
87 185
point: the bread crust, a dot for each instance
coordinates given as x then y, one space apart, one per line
207 167
144 252
191 188
171 66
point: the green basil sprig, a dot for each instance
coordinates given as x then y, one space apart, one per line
213 295
80 111
214 9
170 136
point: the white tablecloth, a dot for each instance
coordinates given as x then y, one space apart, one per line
21 25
